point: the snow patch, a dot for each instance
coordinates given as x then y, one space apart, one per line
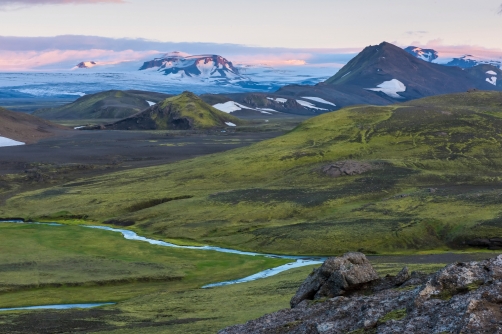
391 88
150 103
266 109
492 80
318 99
232 106
279 99
308 105
4 142
230 124
228 107
78 127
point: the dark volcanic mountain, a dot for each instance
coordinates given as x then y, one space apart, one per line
384 74
488 73
389 70
469 61
183 112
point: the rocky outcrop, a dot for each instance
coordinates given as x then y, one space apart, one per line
461 298
349 167
492 243
335 277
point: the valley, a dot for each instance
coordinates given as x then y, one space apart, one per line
420 160
154 287
187 213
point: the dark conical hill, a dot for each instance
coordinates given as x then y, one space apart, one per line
384 62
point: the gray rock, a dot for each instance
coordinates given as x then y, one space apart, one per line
348 167
403 276
335 277
461 298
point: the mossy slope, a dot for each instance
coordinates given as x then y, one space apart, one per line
103 105
435 184
182 112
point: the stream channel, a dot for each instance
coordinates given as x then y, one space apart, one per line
296 261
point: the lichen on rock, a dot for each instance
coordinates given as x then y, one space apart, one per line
406 303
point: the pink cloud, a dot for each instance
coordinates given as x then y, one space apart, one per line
31 60
307 57
64 52
285 59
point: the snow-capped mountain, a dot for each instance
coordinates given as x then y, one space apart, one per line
469 61
179 66
464 61
86 64
385 73
425 54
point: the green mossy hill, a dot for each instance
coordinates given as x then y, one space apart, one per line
104 105
182 112
426 175
482 101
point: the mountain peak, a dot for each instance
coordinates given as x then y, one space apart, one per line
181 66
86 64
190 95
394 73
428 55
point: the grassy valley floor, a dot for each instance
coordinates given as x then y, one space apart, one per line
411 180
157 288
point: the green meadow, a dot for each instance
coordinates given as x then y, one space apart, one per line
157 289
434 184
42 256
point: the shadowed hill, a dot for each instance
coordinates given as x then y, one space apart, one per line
423 175
183 112
108 104
24 127
385 62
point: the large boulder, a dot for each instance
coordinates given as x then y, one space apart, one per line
335 277
461 298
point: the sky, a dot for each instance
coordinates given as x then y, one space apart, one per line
282 32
